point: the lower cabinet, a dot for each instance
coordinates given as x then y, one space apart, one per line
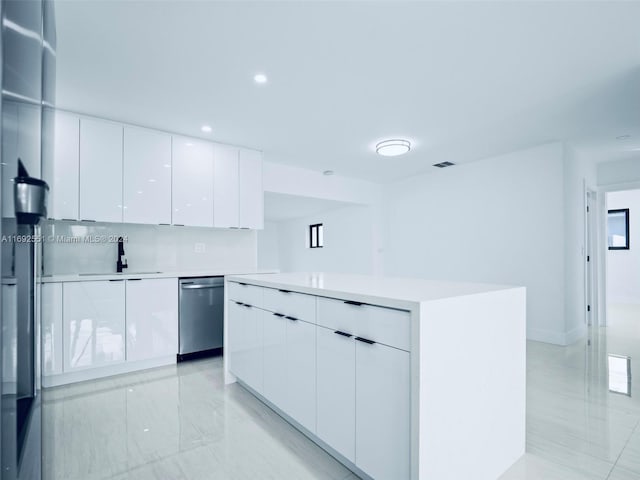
300 371
245 343
102 323
364 403
152 318
94 324
337 391
51 331
382 411
352 392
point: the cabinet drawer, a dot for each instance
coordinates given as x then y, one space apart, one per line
249 294
380 324
293 304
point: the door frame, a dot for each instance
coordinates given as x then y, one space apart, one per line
600 246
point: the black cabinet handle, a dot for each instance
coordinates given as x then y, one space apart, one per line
239 303
116 280
291 318
246 305
243 284
284 291
351 302
133 279
365 340
279 315
348 335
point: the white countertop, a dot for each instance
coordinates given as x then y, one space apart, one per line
128 275
391 291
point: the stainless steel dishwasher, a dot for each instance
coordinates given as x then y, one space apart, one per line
201 315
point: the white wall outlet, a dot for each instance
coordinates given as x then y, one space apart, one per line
199 248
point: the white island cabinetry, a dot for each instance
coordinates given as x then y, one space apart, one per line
369 367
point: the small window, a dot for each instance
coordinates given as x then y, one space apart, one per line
316 236
618 229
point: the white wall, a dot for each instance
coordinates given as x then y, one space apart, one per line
148 248
286 179
499 220
349 242
268 247
623 266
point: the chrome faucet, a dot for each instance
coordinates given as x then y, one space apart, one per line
122 260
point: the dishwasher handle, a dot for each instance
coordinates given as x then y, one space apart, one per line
199 286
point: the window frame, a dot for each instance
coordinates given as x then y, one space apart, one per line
626 226
314 234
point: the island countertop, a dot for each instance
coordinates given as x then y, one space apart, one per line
391 291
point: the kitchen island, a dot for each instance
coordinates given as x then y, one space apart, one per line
397 378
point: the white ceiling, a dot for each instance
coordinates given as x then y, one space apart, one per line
462 80
279 207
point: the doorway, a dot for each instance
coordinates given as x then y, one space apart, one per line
622 220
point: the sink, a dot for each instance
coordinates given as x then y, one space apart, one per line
117 273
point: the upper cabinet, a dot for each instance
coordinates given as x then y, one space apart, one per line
192 185
103 171
147 176
61 164
237 187
251 204
100 171
226 188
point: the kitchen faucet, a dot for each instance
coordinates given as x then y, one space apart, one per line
122 260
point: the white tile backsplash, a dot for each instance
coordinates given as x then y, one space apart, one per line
68 248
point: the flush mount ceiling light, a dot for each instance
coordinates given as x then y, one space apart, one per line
260 78
206 128
328 172
392 148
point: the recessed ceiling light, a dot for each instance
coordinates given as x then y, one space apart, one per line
206 128
623 137
260 78
392 148
328 172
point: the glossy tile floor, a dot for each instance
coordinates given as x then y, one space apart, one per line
180 422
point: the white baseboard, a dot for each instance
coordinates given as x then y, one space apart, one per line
106 371
555 337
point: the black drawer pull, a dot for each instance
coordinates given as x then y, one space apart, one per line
291 318
284 291
239 303
246 305
351 302
365 340
116 279
133 279
243 284
348 335
279 315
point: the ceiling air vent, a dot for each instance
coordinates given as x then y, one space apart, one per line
443 164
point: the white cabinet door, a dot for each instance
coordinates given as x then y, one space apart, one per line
21 126
301 373
225 187
251 191
192 180
336 357
382 411
245 343
61 163
147 176
93 324
152 318
100 171
275 358
51 328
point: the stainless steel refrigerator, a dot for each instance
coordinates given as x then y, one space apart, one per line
28 45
